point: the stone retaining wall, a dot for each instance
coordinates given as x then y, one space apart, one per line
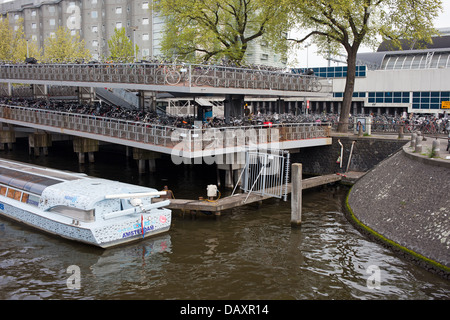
367 152
405 202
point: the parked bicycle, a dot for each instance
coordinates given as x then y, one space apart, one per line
171 74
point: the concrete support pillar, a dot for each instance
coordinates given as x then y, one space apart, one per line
83 146
86 94
229 178
7 137
281 107
39 140
147 100
233 107
141 99
296 195
142 156
40 91
232 172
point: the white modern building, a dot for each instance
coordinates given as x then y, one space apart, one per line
394 81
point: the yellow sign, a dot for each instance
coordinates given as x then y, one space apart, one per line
445 105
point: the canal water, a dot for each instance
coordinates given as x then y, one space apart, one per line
247 253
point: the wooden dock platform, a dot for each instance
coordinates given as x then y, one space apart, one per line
240 199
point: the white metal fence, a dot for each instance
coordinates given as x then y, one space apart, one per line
266 172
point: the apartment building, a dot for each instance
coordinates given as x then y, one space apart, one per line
95 21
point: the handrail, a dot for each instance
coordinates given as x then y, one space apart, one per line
167 136
181 74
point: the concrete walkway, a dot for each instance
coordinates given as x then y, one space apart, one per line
443 157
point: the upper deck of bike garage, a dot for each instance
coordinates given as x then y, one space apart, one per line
181 78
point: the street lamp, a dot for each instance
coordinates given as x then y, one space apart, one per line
307 55
134 42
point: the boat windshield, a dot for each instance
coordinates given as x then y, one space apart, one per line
25 181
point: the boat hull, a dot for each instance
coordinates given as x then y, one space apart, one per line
102 234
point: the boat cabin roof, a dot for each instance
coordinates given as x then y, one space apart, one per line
61 188
86 193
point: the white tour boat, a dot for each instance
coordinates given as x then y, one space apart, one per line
75 206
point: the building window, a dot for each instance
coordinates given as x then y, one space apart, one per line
388 97
94 29
16 17
119 25
145 5
33 13
429 100
145 52
145 21
118 10
334 72
33 26
94 43
264 56
94 14
145 37
51 22
51 9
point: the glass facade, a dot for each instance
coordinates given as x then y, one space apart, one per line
388 97
424 100
431 100
355 95
332 72
426 60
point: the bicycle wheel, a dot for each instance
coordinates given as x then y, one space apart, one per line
200 81
159 77
173 77
316 86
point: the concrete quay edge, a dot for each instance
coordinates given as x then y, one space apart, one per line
407 248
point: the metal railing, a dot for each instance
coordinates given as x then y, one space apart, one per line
186 75
165 136
393 128
265 173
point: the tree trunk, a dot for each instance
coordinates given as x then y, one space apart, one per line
348 93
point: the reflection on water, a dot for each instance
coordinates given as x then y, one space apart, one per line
248 253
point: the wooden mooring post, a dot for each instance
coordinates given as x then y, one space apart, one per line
296 194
